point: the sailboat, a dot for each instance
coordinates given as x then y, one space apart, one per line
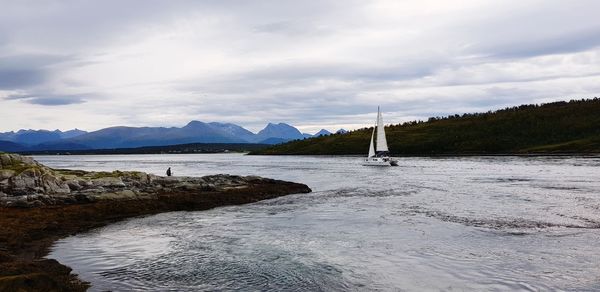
379 153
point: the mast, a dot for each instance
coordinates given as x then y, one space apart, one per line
381 141
371 148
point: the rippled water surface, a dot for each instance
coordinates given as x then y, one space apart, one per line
477 223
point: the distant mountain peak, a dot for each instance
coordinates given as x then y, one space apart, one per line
71 133
322 132
194 123
270 125
282 131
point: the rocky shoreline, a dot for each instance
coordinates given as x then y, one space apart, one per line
39 205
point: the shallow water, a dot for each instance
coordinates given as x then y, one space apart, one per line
474 223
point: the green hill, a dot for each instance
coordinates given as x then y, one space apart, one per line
558 127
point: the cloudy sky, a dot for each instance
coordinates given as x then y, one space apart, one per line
313 64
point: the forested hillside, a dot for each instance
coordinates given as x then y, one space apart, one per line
558 127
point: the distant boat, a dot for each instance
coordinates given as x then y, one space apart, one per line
379 153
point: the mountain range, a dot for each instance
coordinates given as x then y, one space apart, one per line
129 137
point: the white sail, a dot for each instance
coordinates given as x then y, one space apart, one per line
381 157
381 141
371 147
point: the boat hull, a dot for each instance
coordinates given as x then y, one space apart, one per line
380 161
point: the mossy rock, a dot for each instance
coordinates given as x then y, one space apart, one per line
18 163
20 167
103 174
71 172
6 173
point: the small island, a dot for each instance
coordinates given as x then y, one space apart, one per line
39 205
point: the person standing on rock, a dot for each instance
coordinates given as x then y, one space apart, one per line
169 171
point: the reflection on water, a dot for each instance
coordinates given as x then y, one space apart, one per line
491 223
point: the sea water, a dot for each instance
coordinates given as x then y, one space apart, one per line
454 224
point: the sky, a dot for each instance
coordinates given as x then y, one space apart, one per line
313 64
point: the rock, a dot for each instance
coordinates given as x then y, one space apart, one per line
96 190
53 185
85 183
26 160
22 183
26 183
151 178
110 182
13 160
6 173
122 195
73 185
167 181
83 198
187 186
20 202
5 159
253 178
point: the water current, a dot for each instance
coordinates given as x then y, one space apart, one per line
453 224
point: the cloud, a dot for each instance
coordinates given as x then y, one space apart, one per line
15 79
571 43
48 100
55 100
313 64
26 70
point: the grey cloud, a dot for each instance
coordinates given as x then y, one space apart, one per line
280 27
529 29
303 62
3 39
343 71
465 81
76 24
16 79
56 100
49 100
25 71
292 29
300 74
19 96
16 61
569 43
267 93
